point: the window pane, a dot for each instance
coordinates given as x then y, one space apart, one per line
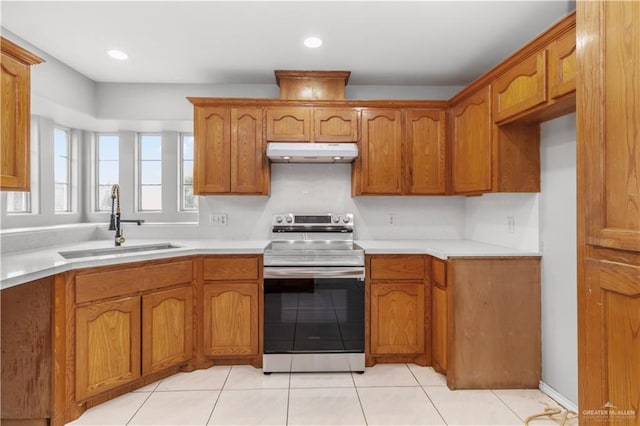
108 169
187 148
187 173
108 147
104 197
151 172
190 200
60 147
61 169
61 197
18 202
108 173
151 198
150 147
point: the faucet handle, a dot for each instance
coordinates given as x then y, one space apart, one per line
121 238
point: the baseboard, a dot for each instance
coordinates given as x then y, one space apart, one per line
557 396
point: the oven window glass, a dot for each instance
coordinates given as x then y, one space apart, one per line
313 315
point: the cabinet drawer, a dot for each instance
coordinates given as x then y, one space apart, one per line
231 268
439 272
106 284
397 267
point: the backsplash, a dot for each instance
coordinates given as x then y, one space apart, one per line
322 188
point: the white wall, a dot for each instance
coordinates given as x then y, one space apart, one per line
310 188
486 220
559 260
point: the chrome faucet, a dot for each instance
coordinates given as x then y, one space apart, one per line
115 222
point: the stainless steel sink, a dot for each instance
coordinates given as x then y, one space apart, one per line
75 254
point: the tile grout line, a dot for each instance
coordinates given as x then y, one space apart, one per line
218 397
364 415
286 419
140 407
428 397
508 406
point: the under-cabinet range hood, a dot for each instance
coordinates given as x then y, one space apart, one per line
285 152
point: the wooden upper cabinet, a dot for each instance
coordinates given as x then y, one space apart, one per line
425 140
562 65
167 334
15 90
335 125
521 87
381 146
107 346
247 151
289 124
229 154
471 143
309 124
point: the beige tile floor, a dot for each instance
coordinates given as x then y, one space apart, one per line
398 394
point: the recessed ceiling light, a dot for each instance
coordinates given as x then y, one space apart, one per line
312 42
118 54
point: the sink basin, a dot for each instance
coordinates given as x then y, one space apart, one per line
114 250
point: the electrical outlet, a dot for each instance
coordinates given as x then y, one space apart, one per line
391 219
511 224
218 219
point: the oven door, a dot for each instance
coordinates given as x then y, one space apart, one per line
313 319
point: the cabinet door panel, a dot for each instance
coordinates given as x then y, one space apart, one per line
520 88
335 125
231 319
247 162
562 65
471 153
289 124
212 137
167 329
425 139
440 328
14 166
381 151
397 319
108 346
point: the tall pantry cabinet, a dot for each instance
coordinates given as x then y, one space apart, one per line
608 132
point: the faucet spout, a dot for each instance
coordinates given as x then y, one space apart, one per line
115 222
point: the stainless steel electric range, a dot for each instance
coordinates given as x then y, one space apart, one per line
313 295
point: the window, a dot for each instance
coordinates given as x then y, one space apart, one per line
62 170
107 169
150 173
188 201
18 202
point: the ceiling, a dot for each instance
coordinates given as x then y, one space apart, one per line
445 43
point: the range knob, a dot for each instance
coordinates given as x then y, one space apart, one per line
346 219
279 219
289 219
335 219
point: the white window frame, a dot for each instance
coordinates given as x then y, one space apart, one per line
69 182
139 161
96 164
181 184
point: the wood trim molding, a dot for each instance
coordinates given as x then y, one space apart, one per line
19 53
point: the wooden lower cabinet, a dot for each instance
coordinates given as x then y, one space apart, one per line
398 306
26 361
107 346
439 316
231 325
494 329
397 319
167 332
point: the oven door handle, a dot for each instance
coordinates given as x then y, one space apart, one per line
314 272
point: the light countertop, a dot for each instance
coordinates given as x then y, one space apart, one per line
21 267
